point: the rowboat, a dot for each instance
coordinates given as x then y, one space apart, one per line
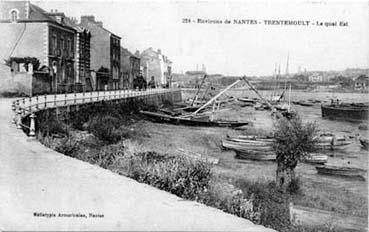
246 147
194 121
365 143
331 142
251 147
262 156
246 100
340 171
316 159
305 103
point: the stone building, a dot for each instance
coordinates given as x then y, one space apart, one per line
83 57
130 68
157 65
30 35
361 82
105 55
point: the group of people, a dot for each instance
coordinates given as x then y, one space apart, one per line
140 83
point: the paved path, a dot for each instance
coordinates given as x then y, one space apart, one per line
35 179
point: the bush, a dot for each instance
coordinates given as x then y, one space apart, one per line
67 146
105 128
272 204
179 175
294 187
230 199
49 125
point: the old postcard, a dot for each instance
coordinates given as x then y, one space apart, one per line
181 115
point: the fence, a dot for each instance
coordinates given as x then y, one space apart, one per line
28 106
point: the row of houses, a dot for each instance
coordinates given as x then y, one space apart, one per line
48 52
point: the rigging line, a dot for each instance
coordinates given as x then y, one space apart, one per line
19 38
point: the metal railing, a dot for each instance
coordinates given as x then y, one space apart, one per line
28 106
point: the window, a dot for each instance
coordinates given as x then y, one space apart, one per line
69 47
13 16
54 44
61 45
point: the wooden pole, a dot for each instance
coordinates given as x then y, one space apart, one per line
198 90
218 95
257 92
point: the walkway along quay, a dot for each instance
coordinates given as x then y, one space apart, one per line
25 107
42 189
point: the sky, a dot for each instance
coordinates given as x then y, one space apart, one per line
236 49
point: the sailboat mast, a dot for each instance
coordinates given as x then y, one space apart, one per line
288 59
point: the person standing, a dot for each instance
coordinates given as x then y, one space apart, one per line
152 82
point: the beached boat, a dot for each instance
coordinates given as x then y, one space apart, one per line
340 171
247 100
245 146
251 147
261 156
332 142
355 112
365 143
303 103
316 159
193 121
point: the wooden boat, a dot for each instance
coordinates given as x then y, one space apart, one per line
365 143
251 147
355 112
340 171
261 156
331 142
246 104
246 100
316 159
194 121
305 103
246 147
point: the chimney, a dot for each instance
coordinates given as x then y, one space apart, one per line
87 18
99 23
159 51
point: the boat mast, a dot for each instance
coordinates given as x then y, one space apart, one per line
218 95
198 91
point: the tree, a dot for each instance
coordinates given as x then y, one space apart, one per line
293 140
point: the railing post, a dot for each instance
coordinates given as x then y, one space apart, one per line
98 93
23 102
36 102
83 97
65 99
32 127
19 119
75 98
55 99
45 101
91 96
30 104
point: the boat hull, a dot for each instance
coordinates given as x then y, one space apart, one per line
340 171
260 156
162 118
347 112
